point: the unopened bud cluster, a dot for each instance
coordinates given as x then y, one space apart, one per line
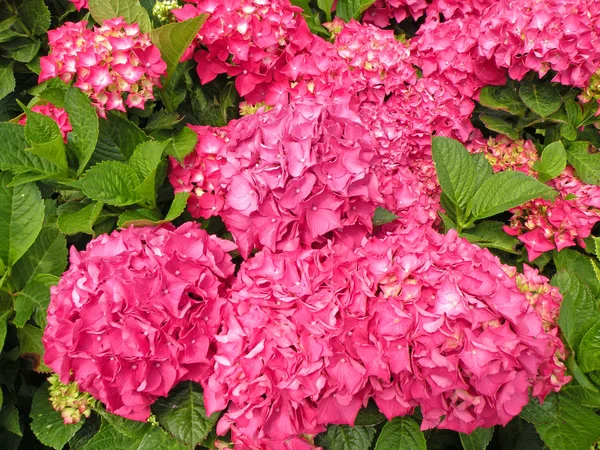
162 11
67 400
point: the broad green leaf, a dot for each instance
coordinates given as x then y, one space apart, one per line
552 163
75 218
13 156
580 377
35 15
34 299
9 419
369 416
478 439
573 112
147 189
138 218
586 164
27 177
45 139
505 190
3 325
455 169
183 415
7 32
177 207
579 309
47 255
157 439
162 120
483 169
174 39
84 120
325 6
401 433
579 264
146 157
111 182
581 395
31 346
499 125
588 355
47 424
490 234
23 49
568 131
117 139
182 144
21 218
562 423
54 95
542 99
343 437
383 216
130 10
351 9
502 98
7 80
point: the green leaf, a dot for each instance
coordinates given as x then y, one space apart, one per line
174 39
117 139
34 299
146 157
573 112
7 80
455 169
157 439
542 99
478 439
162 120
369 416
183 415
47 424
383 216
490 234
75 218
23 49
562 423
84 120
3 326
343 437
588 355
182 144
145 217
45 139
401 433
325 6
581 395
31 346
552 163
499 125
35 15
568 131
177 207
579 264
111 182
9 419
586 164
579 309
483 169
21 218
352 9
13 156
505 190
130 10
47 255
502 98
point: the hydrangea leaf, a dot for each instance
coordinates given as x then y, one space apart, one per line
369 416
182 144
130 10
111 182
502 98
351 9
562 423
183 415
542 99
76 218
483 169
13 156
47 424
582 396
9 419
343 437
505 190
84 120
45 139
34 299
326 6
479 439
35 15
578 263
117 139
588 355
552 162
7 80
401 433
146 157
499 125
174 39
31 346
568 131
21 218
490 234
586 164
381 216
138 218
573 112
455 169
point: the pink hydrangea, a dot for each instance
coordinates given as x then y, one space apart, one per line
505 154
106 62
80 4
58 114
284 177
427 320
133 314
382 11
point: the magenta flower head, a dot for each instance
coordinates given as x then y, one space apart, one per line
132 315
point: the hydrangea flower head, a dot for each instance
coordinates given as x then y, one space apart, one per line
132 315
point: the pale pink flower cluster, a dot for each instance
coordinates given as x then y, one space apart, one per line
108 63
59 115
284 177
544 225
133 314
427 320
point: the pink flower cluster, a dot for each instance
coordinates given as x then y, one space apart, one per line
132 315
58 114
108 63
543 225
433 321
282 178
381 11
